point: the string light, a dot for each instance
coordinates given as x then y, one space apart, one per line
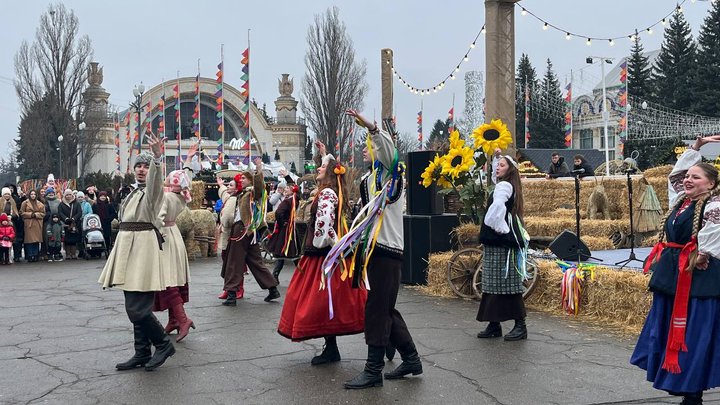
568 34
439 86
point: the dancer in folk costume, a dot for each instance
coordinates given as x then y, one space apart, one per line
678 343
174 256
134 262
316 305
505 257
226 218
283 242
375 241
243 249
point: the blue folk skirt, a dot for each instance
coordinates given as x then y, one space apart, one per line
700 365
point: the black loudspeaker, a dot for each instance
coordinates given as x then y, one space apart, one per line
425 234
566 247
421 200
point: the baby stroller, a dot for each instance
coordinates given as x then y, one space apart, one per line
93 242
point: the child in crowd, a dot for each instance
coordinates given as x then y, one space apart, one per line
55 237
7 236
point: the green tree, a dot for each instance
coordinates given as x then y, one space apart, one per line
525 76
706 88
548 130
639 73
671 77
439 135
652 153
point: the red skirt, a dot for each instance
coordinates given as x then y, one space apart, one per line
306 313
164 299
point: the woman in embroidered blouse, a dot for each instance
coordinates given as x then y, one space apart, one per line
306 311
678 344
503 238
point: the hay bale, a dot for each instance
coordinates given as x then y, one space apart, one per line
197 192
598 243
437 282
204 229
616 298
659 171
186 226
467 233
550 226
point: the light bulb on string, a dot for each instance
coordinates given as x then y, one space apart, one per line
649 31
465 58
472 45
633 38
545 26
568 36
457 68
452 77
523 12
662 21
679 9
611 42
482 31
588 42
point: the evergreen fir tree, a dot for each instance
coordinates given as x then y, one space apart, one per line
673 68
706 88
439 135
525 75
639 72
548 125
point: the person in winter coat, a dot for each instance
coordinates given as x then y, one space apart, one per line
17 222
582 167
32 212
52 203
558 167
55 236
70 214
84 204
7 235
105 210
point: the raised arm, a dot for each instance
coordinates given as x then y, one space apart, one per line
385 149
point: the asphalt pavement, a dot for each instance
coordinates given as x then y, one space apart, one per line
61 335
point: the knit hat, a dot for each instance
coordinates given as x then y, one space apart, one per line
143 158
49 190
80 194
6 190
3 217
67 191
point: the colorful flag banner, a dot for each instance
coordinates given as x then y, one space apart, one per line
527 116
196 113
245 92
419 126
568 115
178 123
451 120
622 102
116 118
220 105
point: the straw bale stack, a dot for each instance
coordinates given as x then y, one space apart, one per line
467 234
186 225
549 225
197 192
659 171
204 231
437 281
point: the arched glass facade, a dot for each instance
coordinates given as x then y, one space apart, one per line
208 122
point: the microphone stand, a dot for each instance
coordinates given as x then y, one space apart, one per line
632 257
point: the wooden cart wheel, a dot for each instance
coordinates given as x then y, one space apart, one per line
462 266
528 285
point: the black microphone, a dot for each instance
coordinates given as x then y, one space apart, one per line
578 171
631 170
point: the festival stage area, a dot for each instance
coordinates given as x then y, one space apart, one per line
610 257
62 336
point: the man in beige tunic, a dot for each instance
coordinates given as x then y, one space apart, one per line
134 263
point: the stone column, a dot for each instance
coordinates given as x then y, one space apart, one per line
386 83
500 62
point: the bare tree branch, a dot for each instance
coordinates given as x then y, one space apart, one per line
334 81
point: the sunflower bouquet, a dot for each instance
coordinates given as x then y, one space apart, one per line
463 168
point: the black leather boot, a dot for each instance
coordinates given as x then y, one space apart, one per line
518 332
411 363
692 398
277 269
142 351
493 330
231 299
330 353
390 351
163 346
372 375
273 294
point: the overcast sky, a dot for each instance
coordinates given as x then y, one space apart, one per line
149 40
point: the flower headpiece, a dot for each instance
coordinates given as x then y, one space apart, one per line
514 163
339 169
178 179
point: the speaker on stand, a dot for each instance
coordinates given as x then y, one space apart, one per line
567 246
421 200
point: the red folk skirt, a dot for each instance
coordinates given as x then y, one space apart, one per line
306 313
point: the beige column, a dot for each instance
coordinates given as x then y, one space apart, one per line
500 62
386 83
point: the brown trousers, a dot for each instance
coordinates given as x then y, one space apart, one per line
241 254
383 323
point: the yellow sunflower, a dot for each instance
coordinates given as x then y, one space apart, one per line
455 140
492 136
432 171
457 161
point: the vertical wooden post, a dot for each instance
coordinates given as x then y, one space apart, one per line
500 63
386 83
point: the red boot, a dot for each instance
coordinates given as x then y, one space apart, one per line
223 295
184 323
172 322
241 289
